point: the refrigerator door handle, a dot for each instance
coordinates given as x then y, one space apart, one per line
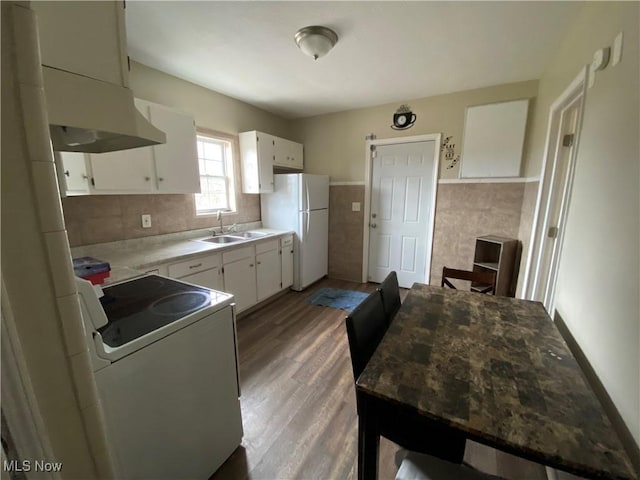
306 230
306 189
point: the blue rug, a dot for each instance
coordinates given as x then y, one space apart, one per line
336 298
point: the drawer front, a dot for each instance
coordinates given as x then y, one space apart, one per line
266 246
237 254
195 265
286 241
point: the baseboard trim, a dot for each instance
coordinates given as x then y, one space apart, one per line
620 427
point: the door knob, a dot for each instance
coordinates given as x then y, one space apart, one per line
373 215
373 225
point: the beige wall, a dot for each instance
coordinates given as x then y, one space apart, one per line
465 211
105 218
210 109
345 232
335 143
598 287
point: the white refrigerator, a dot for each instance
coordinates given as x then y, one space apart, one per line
300 202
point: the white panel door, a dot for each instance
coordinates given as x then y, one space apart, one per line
400 233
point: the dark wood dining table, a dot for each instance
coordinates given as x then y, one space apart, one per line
495 369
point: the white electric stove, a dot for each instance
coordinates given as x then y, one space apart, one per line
165 362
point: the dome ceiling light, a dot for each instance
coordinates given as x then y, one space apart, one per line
316 41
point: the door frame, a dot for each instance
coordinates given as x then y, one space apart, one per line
574 93
368 173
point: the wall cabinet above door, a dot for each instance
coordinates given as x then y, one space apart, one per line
166 168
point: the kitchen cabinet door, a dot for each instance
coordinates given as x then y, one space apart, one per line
102 52
288 154
73 177
176 161
240 280
209 278
125 171
257 158
286 260
268 273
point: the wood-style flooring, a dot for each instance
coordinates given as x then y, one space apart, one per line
298 399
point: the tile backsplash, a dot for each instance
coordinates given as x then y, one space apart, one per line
107 218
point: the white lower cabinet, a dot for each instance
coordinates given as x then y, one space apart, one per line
239 273
286 260
268 269
203 271
251 273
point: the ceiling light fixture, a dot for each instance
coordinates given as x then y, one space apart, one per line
315 41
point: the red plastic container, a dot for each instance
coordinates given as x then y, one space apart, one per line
97 278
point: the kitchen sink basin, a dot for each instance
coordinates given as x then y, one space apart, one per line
245 235
222 239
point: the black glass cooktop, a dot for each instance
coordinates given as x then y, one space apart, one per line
145 304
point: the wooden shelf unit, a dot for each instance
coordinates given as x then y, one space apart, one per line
500 255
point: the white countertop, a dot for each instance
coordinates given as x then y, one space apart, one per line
131 258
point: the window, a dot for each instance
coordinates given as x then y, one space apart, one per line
215 161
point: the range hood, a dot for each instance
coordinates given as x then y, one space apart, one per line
89 115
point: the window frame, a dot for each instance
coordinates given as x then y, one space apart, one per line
229 153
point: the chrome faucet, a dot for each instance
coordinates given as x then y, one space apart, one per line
219 218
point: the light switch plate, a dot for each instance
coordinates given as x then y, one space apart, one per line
355 206
146 221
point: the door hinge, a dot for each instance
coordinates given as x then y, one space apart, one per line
222 269
93 182
552 232
371 136
280 284
374 152
567 140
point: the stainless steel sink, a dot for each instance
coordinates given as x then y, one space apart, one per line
222 239
245 235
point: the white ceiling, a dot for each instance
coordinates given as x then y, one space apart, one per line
387 52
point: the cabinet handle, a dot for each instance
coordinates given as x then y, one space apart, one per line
84 177
251 265
146 179
259 263
196 265
66 172
160 179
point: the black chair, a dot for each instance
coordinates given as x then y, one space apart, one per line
390 295
482 282
366 326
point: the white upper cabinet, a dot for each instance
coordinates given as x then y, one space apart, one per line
493 140
100 54
166 168
177 160
257 152
288 154
72 173
124 171
260 153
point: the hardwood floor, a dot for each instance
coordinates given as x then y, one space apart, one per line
298 398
